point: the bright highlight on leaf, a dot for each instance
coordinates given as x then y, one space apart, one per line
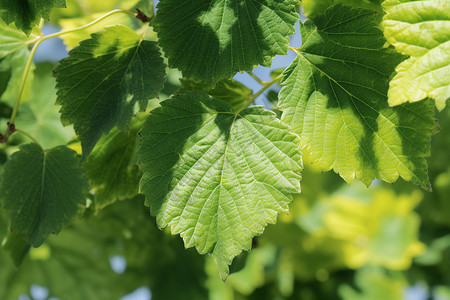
382 231
42 190
334 98
103 79
210 40
27 13
420 29
217 177
13 58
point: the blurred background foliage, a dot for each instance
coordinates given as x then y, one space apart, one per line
338 242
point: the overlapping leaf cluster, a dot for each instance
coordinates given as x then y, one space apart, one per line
212 169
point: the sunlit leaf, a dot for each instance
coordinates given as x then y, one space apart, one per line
334 97
420 29
13 58
39 117
73 39
374 284
214 176
382 231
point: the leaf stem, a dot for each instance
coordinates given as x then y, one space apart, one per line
43 38
295 50
262 90
29 136
258 79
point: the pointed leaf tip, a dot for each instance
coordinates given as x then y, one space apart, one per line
217 177
343 119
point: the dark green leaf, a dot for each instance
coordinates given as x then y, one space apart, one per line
103 79
42 190
17 246
210 40
112 165
27 13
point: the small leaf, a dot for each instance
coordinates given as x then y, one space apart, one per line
112 165
103 79
217 177
27 13
42 190
210 40
334 96
420 29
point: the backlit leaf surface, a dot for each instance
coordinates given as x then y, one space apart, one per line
217 177
103 79
13 58
420 29
210 40
334 97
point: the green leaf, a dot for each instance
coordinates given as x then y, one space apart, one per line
27 13
13 58
42 190
210 40
334 97
314 7
76 265
420 29
229 90
375 284
17 246
73 39
103 79
39 117
112 165
214 176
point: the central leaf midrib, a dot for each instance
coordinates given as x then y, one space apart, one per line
361 117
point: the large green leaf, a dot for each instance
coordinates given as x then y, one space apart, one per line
210 40
27 13
215 176
13 58
103 79
112 165
334 98
420 29
42 190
